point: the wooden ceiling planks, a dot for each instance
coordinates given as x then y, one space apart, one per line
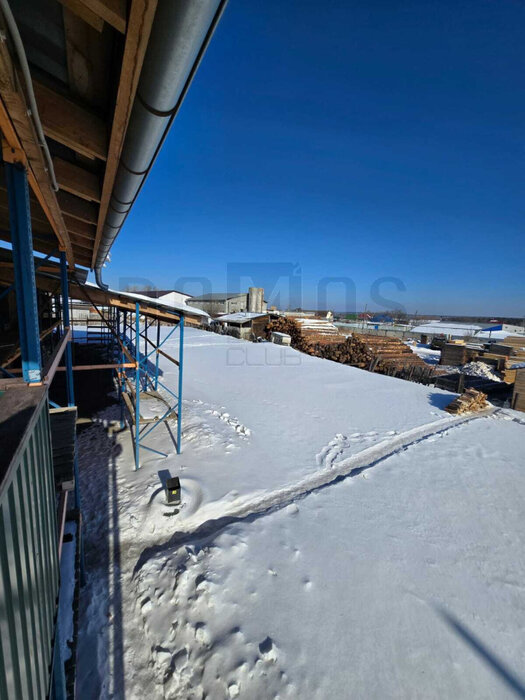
141 16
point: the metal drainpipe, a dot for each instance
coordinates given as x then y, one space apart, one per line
179 37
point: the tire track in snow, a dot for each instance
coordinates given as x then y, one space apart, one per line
200 526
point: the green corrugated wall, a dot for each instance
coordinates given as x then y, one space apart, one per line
29 568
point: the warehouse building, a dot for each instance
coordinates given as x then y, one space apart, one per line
219 303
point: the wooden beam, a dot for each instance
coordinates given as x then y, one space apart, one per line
82 11
141 17
78 208
77 180
18 130
88 54
111 11
52 363
80 228
70 124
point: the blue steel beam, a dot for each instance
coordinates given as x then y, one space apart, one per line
137 385
65 310
25 284
181 362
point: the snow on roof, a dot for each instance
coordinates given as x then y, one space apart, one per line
239 317
219 296
448 328
462 330
176 306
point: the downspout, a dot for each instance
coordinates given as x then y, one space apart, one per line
180 35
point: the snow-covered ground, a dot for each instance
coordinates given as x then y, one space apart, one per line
340 536
426 353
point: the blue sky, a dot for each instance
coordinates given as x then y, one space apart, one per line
351 140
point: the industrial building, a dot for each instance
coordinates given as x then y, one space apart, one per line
88 92
247 325
218 303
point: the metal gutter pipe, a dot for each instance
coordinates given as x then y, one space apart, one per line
180 35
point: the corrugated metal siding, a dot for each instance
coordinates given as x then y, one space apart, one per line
29 569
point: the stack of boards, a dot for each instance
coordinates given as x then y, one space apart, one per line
518 397
470 401
454 355
501 356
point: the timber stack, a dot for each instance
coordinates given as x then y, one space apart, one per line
456 354
322 339
503 357
518 396
470 401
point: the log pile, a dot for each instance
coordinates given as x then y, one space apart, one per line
347 351
470 401
383 355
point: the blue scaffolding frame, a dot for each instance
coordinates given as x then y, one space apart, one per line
139 377
143 380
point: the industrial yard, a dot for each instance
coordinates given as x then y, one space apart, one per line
328 513
232 464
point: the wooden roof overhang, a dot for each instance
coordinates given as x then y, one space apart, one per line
85 58
48 280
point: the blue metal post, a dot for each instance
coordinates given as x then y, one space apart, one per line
157 357
65 311
120 373
25 284
181 361
137 385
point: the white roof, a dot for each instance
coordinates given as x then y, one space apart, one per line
239 316
448 328
461 330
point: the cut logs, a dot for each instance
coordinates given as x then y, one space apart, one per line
470 401
322 339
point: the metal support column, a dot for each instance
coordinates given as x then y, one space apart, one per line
179 398
65 309
137 385
157 357
25 284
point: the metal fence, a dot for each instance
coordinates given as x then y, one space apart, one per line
29 567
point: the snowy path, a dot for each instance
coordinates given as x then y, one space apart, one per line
207 520
283 578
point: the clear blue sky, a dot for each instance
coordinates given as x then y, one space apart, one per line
351 139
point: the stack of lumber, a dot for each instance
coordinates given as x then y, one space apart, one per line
322 339
518 396
517 356
391 353
469 401
454 355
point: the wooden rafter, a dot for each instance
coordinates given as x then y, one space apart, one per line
68 123
78 208
142 13
21 139
82 11
111 11
76 180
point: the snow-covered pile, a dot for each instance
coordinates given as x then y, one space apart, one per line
480 369
340 536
